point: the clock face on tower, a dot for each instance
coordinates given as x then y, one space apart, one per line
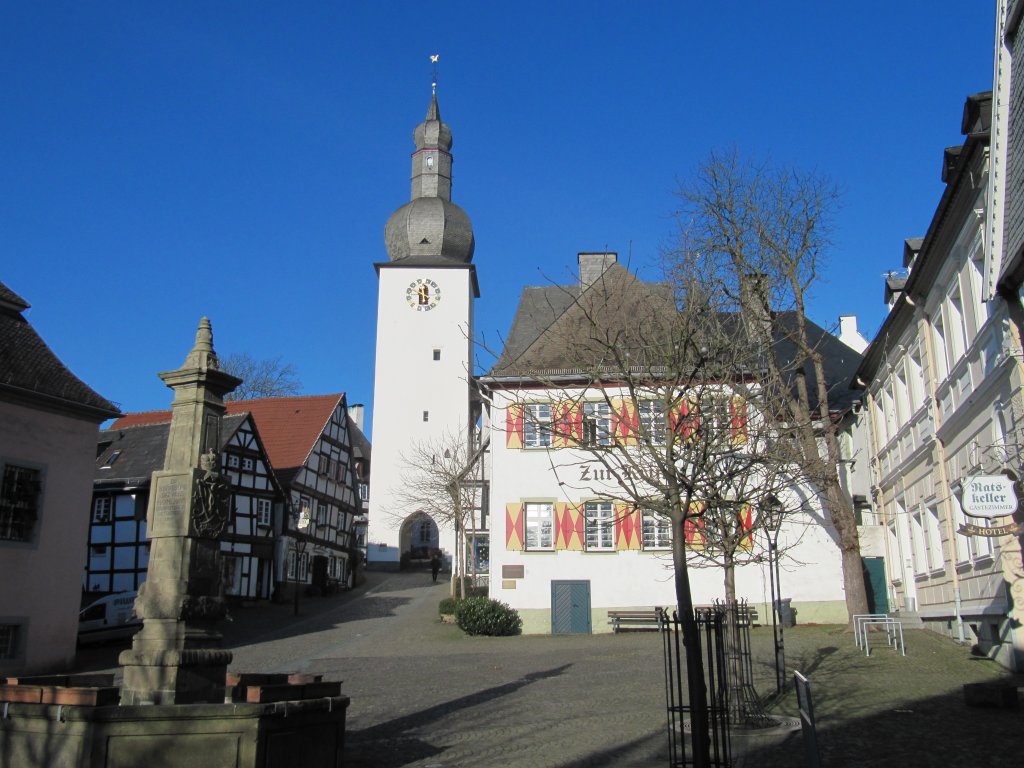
422 295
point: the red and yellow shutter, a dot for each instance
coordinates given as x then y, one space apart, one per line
738 415
693 527
514 425
514 534
746 524
568 526
625 422
628 527
568 424
684 420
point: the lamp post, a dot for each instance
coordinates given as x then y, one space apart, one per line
297 520
774 527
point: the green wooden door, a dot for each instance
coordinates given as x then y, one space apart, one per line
874 583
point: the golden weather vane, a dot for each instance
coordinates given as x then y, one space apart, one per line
434 57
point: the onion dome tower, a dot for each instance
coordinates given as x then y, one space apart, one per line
421 391
430 228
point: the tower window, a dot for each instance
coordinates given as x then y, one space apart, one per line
430 162
437 354
426 415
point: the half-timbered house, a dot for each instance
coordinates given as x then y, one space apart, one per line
127 455
312 449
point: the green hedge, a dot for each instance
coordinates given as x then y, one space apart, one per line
448 605
482 616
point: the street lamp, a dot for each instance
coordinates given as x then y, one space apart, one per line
297 522
773 512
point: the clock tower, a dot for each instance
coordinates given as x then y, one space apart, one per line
423 370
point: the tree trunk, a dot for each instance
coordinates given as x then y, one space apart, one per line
845 521
698 693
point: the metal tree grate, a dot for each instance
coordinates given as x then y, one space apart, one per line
704 665
745 707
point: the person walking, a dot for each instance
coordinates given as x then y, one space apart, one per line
435 566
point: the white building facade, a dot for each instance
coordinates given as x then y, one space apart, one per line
566 546
941 381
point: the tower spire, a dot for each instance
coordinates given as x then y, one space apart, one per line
434 57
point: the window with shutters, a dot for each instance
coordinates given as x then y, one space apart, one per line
600 525
597 424
657 531
652 421
537 425
539 525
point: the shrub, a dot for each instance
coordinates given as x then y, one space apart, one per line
464 589
482 616
448 605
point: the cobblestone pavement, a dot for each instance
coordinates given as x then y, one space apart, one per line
426 696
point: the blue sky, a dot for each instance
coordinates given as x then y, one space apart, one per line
164 161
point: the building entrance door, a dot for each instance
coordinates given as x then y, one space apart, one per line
570 608
875 583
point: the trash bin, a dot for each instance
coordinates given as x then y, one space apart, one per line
787 616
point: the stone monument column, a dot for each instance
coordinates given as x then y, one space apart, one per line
176 657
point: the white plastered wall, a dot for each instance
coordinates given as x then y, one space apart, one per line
408 382
811 572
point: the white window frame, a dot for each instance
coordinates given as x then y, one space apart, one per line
942 362
657 531
248 464
102 509
956 327
537 425
933 530
597 423
264 512
599 526
652 421
918 541
539 517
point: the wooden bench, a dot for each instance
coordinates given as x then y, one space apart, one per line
747 614
634 620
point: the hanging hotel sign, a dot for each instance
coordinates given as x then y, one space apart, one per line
969 529
988 496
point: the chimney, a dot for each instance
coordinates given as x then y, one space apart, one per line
355 413
593 265
849 335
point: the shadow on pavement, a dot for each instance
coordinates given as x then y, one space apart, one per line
387 744
936 731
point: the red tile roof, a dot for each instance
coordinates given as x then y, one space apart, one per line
289 426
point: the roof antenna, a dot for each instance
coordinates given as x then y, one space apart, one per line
433 75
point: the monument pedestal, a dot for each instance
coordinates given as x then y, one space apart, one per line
286 734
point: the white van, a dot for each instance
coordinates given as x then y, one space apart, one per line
109 618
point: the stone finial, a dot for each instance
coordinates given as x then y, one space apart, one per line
202 354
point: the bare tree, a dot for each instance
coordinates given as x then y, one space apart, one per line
268 377
759 235
441 478
663 390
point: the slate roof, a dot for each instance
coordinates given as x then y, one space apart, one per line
31 372
552 324
289 426
142 450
